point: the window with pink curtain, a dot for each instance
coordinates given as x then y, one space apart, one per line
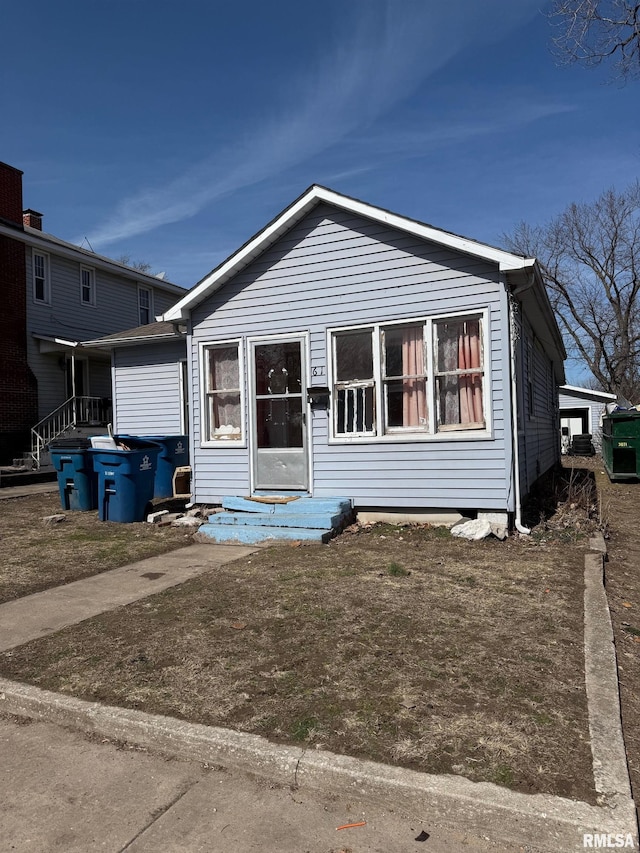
459 373
405 377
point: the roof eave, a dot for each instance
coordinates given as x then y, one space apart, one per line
299 208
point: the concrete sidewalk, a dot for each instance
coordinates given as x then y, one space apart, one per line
45 612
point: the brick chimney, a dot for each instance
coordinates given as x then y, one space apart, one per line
10 194
18 385
32 219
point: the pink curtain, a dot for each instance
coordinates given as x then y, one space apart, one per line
469 356
414 401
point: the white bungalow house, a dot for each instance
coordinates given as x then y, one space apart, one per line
348 351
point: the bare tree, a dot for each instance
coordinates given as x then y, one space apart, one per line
141 266
590 261
593 31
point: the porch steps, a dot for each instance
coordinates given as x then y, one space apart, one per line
252 522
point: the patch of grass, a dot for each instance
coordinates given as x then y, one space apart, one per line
629 629
503 775
397 571
304 729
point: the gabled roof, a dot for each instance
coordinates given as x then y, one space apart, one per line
150 333
315 195
587 392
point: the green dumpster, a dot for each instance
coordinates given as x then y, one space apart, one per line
621 444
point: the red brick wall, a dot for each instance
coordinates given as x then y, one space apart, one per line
10 193
18 387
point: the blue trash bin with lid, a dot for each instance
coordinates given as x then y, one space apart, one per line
77 481
174 453
125 479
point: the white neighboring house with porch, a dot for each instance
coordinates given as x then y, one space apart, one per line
581 410
69 294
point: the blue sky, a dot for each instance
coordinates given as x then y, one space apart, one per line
171 132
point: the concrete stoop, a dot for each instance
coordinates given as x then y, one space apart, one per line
251 522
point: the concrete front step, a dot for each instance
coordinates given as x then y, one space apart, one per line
253 535
279 519
334 506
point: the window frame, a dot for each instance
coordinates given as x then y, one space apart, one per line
203 360
46 277
144 289
431 431
91 302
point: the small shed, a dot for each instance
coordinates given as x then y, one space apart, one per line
581 411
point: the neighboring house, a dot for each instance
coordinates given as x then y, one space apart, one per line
56 294
348 351
581 410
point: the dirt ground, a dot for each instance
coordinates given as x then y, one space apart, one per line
36 556
620 508
402 645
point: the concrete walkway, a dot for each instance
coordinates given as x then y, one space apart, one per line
45 612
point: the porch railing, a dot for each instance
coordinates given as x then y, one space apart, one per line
74 411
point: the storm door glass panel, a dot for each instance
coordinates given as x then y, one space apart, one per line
278 372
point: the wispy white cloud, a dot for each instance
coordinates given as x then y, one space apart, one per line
392 47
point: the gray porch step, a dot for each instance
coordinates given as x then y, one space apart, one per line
254 535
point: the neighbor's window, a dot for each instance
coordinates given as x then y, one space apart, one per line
223 396
145 308
355 385
41 284
459 374
386 382
87 286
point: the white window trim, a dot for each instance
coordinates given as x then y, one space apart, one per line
209 443
143 288
92 301
47 277
406 435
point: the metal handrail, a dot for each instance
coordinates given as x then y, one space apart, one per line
73 411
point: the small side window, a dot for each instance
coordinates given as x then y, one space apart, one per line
145 306
87 286
41 283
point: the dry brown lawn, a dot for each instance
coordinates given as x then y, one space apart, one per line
401 645
35 556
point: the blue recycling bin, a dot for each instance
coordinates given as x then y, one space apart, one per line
77 481
125 480
174 453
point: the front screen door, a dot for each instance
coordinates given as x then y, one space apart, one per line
279 406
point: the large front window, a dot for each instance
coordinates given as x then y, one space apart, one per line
223 410
403 379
